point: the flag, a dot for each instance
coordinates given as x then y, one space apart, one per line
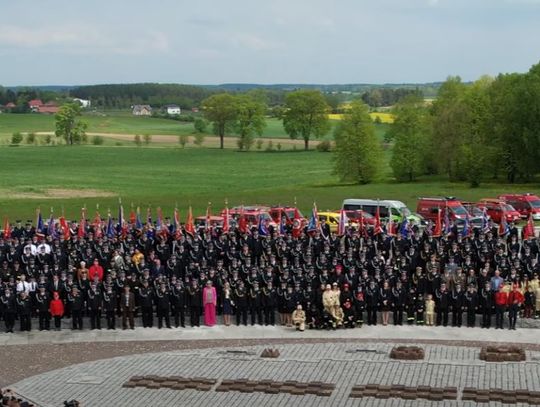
190 228
138 221
262 228
207 220
51 229
226 220
110 227
503 226
528 229
391 227
447 227
466 231
160 227
405 229
485 220
7 229
81 231
122 225
297 224
313 224
282 223
242 222
438 225
342 223
149 218
65 227
176 228
98 232
378 229
132 216
39 223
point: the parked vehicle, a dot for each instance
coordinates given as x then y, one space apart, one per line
252 214
355 217
495 208
215 222
429 208
331 218
287 212
396 209
525 204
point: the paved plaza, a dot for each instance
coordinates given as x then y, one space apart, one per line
345 363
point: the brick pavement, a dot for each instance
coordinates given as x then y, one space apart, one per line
347 364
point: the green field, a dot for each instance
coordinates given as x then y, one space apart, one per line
165 176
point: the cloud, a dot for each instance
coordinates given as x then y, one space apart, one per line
83 39
254 42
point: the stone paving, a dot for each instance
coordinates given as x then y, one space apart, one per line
346 364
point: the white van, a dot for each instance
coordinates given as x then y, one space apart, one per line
396 209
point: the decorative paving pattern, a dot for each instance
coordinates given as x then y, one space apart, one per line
502 354
404 392
346 364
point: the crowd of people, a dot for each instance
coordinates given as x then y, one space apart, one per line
309 279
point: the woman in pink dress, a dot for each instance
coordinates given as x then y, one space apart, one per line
209 303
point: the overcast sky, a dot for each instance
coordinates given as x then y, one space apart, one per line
264 41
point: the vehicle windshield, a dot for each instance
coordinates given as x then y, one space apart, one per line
265 216
458 210
535 203
507 208
290 213
404 211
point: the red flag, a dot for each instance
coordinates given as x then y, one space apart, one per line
503 226
190 228
438 225
7 229
98 232
177 226
391 227
132 216
81 231
528 230
297 224
242 222
226 225
378 228
65 228
342 225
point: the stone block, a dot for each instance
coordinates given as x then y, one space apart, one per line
179 386
222 388
298 392
168 383
271 390
129 385
324 393
383 395
356 394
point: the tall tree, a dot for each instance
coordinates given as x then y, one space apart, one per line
358 152
250 119
410 133
306 115
67 125
221 111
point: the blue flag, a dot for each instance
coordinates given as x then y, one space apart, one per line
466 227
39 223
404 230
263 230
110 227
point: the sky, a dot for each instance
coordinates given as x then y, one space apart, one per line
72 42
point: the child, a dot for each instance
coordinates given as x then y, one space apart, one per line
299 318
430 310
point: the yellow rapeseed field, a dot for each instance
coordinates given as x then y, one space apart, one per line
384 117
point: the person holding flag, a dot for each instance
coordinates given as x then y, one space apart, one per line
313 224
177 229
342 223
377 230
190 228
297 224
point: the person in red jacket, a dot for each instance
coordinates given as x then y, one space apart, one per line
95 270
501 300
515 300
56 308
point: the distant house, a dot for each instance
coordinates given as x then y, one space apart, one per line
173 110
49 108
34 104
142 110
83 102
195 110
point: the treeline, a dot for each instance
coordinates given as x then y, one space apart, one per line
123 96
22 96
486 130
388 97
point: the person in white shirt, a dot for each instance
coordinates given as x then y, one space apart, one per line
23 285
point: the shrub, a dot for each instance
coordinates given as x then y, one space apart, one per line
137 140
16 138
270 146
278 146
98 140
48 139
31 138
182 140
199 124
198 139
147 139
118 144
259 144
324 146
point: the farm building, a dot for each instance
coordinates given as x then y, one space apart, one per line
37 106
142 110
83 102
173 109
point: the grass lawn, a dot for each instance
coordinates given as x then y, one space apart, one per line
70 177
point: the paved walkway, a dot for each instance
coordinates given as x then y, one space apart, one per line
99 383
218 332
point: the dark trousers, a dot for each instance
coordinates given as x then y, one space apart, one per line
410 315
163 314
471 318
95 319
195 316
57 322
372 316
442 317
147 317
256 312
359 316
179 316
420 318
398 315
111 319
9 319
486 318
241 314
76 319
44 321
512 315
499 316
26 324
127 316
457 317
269 316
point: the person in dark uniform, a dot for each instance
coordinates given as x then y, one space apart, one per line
457 303
241 303
24 310
398 303
95 304
372 302
255 303
76 302
109 306
178 303
269 300
42 307
359 305
443 302
9 309
146 302
195 303
471 305
163 306
487 304
420 309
